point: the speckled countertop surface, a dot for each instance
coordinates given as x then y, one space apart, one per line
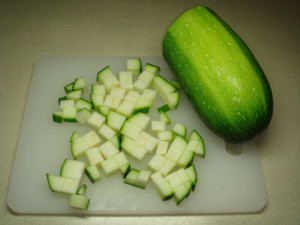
30 30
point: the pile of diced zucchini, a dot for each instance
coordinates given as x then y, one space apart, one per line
120 126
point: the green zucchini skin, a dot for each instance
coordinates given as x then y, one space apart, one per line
219 74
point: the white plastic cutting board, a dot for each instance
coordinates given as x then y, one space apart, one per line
227 183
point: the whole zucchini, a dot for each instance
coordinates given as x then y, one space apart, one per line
219 74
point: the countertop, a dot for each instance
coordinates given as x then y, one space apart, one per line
30 30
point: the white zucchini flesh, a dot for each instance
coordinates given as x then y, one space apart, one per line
137 178
98 89
152 68
75 94
62 184
115 120
110 165
132 96
81 190
126 108
72 169
162 147
96 120
179 129
107 77
158 125
108 150
107 132
162 186
79 83
93 173
134 65
126 80
83 115
94 156
164 117
166 135
79 201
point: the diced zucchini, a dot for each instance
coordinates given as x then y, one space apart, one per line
83 115
174 153
91 138
132 148
106 77
107 132
115 120
121 159
143 82
98 89
125 79
196 144
156 162
137 178
75 94
167 91
62 184
93 173
112 102
103 110
131 177
192 174
158 125
163 108
150 95
115 140
128 144
182 191
147 141
57 117
165 135
132 96
130 129
143 179
69 114
164 117
72 169
79 83
78 147
81 190
162 186
68 103
62 99
141 120
162 147
108 150
186 159
142 105
152 69
94 156
125 169
179 129
167 167
97 100
79 201
118 92
126 108
68 87
110 165
134 65
74 136
96 120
